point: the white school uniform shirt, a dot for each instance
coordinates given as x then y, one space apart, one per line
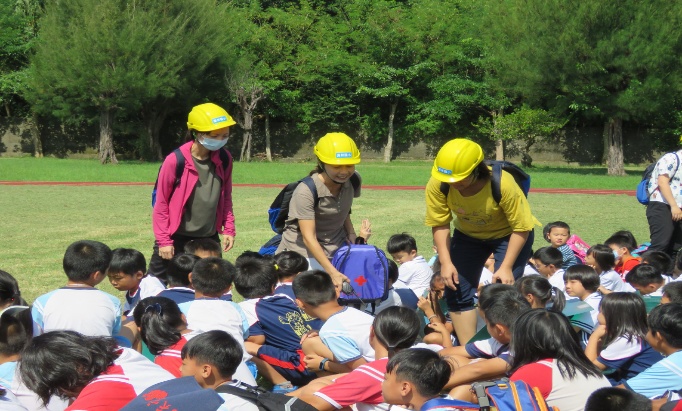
346 334
150 286
415 274
234 403
612 281
557 280
486 277
86 310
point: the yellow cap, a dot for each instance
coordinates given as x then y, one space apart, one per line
337 149
456 160
208 117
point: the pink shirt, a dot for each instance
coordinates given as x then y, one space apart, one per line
167 213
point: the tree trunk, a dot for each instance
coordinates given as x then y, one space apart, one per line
246 143
268 151
153 120
35 136
499 142
607 144
614 127
106 138
9 114
388 150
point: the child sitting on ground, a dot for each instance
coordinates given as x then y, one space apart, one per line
212 359
415 272
582 282
79 306
127 272
619 341
414 377
621 246
276 325
601 258
647 280
179 288
487 359
343 341
204 247
548 262
10 295
658 259
289 265
394 329
211 279
557 234
397 297
540 294
665 336
672 293
432 307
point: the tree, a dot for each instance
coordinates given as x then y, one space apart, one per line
615 61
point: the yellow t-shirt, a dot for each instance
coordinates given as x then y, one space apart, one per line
479 216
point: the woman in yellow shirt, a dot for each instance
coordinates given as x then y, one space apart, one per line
482 226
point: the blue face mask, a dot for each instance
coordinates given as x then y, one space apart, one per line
213 144
615 254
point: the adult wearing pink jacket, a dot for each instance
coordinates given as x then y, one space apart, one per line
199 204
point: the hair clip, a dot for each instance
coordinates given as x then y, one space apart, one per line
276 267
156 307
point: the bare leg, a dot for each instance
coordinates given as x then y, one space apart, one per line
464 323
268 371
462 392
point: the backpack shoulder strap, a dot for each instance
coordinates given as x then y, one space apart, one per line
313 189
246 394
445 189
179 166
496 182
224 158
355 181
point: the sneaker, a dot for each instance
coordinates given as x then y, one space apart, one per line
284 388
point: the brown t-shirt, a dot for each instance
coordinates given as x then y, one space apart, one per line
199 215
329 216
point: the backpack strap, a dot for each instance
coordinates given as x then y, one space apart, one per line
496 181
445 189
248 393
179 167
313 189
224 158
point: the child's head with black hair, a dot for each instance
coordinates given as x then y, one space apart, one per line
9 291
581 281
256 276
677 269
402 247
624 315
547 260
395 328
86 262
212 277
490 291
160 322
414 376
658 259
289 265
211 358
126 269
672 293
501 311
16 331
179 269
393 272
665 328
204 247
617 399
540 293
621 245
645 278
600 256
73 360
556 233
628 237
312 289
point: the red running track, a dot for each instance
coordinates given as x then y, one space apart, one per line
587 191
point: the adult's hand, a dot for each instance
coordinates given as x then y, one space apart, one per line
676 212
167 252
228 240
450 275
504 275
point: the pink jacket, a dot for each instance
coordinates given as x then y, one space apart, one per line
168 209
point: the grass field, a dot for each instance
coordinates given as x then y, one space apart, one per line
373 172
39 222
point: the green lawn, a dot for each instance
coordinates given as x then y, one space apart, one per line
39 222
373 172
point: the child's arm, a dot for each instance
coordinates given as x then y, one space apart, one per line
256 339
330 366
425 305
444 332
593 345
478 371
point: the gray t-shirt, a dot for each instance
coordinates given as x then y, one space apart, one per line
329 216
199 215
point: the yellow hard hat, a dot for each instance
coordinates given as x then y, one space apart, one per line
208 117
456 160
337 149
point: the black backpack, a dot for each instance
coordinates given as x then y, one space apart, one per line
180 165
265 400
521 177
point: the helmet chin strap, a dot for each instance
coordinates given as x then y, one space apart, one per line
330 177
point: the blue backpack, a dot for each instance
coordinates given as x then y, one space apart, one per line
499 395
367 269
521 177
642 192
180 165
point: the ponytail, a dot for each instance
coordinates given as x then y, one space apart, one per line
558 300
160 322
396 328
